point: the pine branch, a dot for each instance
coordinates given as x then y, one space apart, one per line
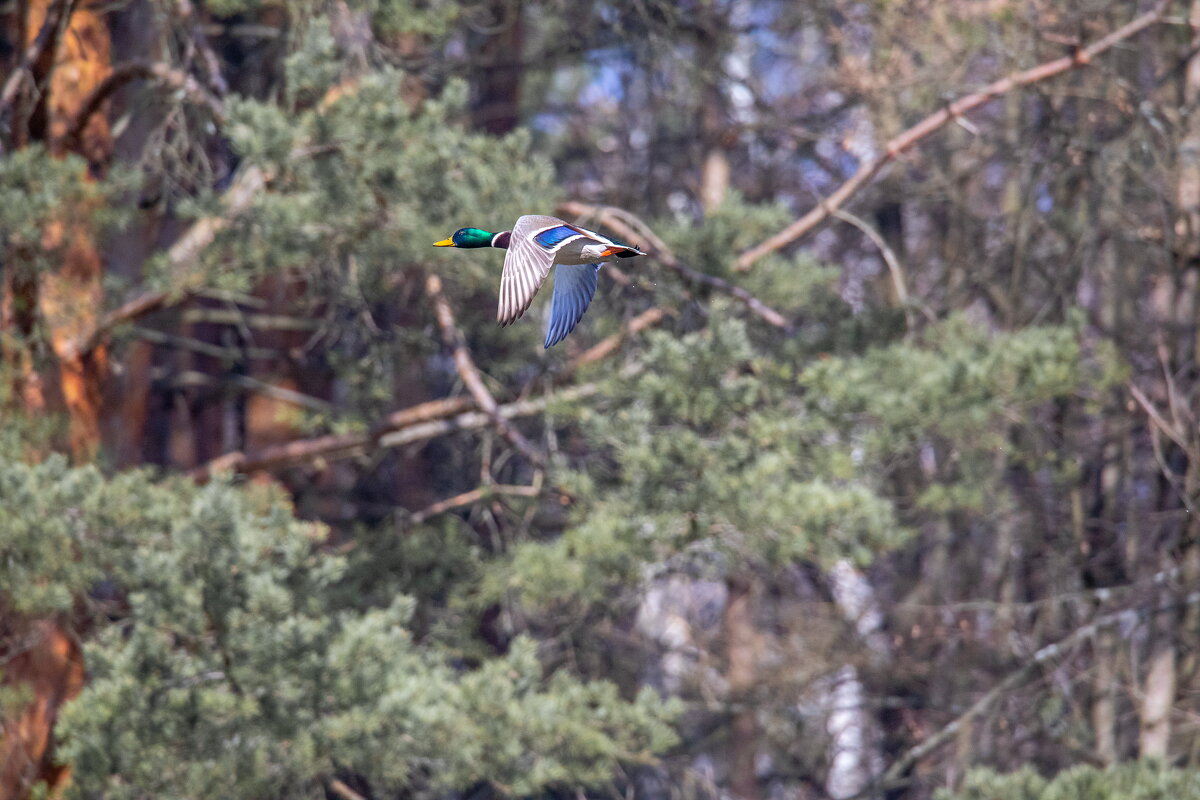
607 346
180 259
626 225
183 255
452 337
934 122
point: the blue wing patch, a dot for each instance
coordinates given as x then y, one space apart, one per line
554 236
574 287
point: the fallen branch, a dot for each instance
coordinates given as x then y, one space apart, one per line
453 338
932 123
626 225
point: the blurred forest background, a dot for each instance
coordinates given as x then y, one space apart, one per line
876 478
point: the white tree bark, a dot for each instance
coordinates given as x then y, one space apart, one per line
855 757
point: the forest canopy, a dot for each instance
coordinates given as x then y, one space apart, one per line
875 476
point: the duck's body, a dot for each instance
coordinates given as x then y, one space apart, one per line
535 245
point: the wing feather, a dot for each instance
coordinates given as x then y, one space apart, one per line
526 266
574 288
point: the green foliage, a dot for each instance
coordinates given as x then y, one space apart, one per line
714 447
234 659
1137 780
38 191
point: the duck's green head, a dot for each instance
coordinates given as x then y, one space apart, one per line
467 237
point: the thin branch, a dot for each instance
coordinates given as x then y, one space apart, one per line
1051 652
472 497
932 123
333 445
285 395
56 15
343 791
607 346
473 420
629 227
1157 419
212 65
182 256
124 74
453 339
424 420
889 255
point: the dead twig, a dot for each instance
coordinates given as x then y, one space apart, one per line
181 258
473 420
56 18
607 346
626 225
934 122
1157 419
894 776
472 497
124 74
452 337
333 445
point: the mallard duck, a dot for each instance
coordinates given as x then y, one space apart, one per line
535 244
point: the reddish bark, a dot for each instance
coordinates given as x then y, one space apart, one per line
46 660
49 663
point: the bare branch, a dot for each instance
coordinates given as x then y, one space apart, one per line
472 497
1051 652
425 420
127 73
607 346
56 16
453 338
934 122
343 791
473 419
334 446
621 222
1157 419
180 258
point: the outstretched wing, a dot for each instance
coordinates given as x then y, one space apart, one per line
534 242
574 287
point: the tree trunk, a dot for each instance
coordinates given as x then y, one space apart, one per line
855 756
1188 191
1158 699
741 642
70 297
1104 702
496 103
46 659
